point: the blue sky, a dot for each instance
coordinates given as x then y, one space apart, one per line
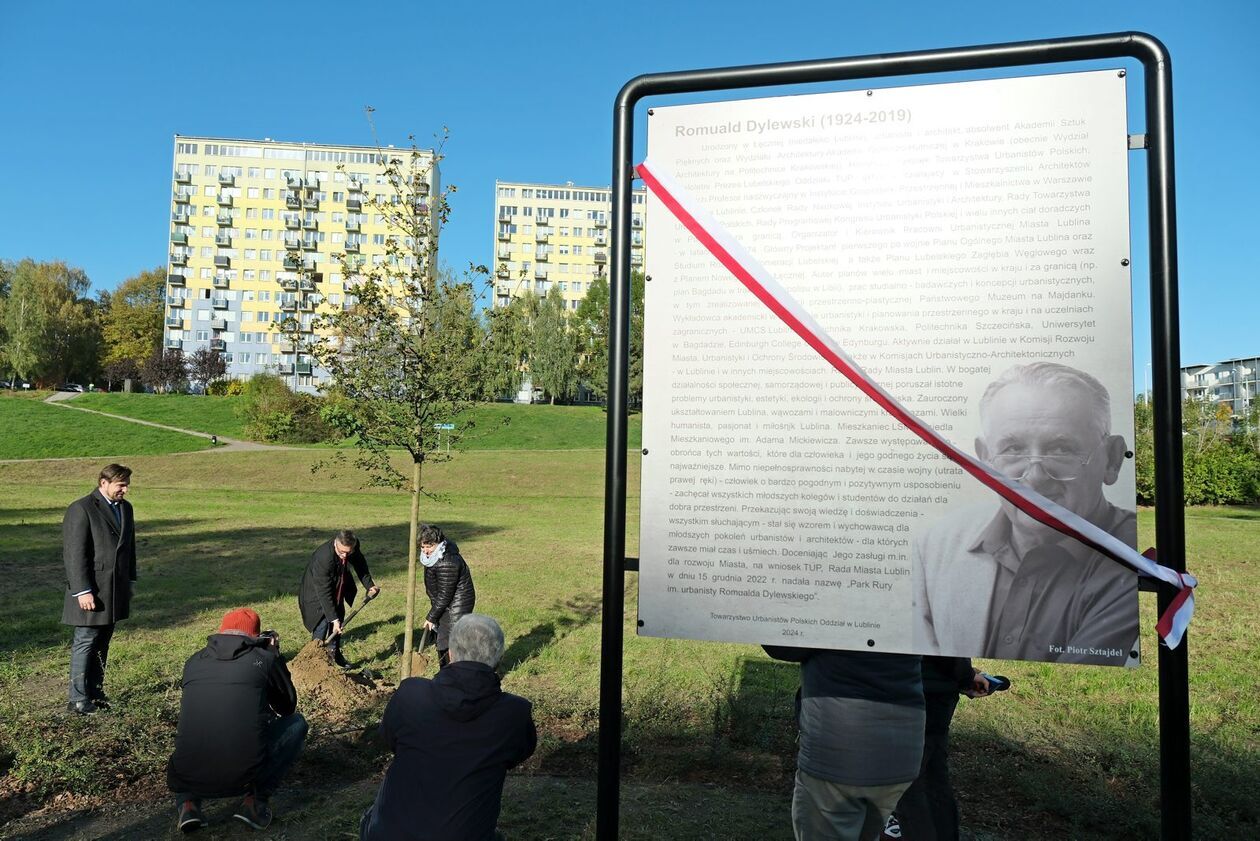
94 92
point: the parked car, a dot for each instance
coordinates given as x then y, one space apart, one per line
71 387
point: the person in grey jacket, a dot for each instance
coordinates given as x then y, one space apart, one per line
98 536
448 584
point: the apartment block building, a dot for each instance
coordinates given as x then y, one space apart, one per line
256 233
1233 382
555 234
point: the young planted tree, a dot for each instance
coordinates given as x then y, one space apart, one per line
553 356
509 336
404 355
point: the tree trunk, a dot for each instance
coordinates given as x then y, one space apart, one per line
411 571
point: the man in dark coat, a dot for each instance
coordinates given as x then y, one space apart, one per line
449 585
239 731
454 738
98 536
327 587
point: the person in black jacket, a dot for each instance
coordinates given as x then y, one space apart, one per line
454 737
448 584
99 549
928 810
239 729
327 587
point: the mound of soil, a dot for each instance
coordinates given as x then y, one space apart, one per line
337 695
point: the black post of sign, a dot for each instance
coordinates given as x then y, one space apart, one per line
1174 687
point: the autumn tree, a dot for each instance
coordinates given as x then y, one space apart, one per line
131 318
50 329
165 371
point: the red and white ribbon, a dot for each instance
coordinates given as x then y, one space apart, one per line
722 245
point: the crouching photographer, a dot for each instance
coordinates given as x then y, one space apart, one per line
239 731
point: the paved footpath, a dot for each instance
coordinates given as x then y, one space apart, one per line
226 445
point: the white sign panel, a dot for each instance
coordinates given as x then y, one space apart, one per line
968 245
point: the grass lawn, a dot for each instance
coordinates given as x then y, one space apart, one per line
494 426
214 415
1069 752
30 428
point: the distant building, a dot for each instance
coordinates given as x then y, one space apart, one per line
256 230
1232 382
555 234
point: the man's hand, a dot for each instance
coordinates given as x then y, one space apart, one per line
87 602
979 685
336 627
429 626
373 591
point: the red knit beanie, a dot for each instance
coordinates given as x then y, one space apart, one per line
242 619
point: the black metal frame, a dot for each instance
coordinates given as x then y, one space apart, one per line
1174 691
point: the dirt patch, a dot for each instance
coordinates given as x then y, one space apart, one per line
337 695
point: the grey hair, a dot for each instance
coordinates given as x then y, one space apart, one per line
1054 374
347 538
477 637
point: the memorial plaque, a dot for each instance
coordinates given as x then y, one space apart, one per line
953 239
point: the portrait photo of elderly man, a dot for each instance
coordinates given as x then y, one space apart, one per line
990 581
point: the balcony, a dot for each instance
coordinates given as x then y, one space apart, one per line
352 248
502 272
542 256
284 368
174 344
310 203
636 240
221 281
310 244
636 259
303 367
541 237
180 218
354 205
218 324
293 223
224 220
293 244
504 236
601 223
540 274
601 257
354 185
175 322
310 224
422 186
219 303
218 344
288 306
174 301
353 227
227 180
292 263
179 259
223 240
307 304
292 201
225 201
636 222
295 183
183 178
179 238
222 262
601 239
175 279
288 283
181 197
505 217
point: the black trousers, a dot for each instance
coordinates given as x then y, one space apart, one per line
928 810
89 652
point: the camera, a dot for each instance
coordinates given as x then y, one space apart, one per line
272 638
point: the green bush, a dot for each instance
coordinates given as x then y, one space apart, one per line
1221 474
272 412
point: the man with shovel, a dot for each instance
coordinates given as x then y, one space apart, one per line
327 587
